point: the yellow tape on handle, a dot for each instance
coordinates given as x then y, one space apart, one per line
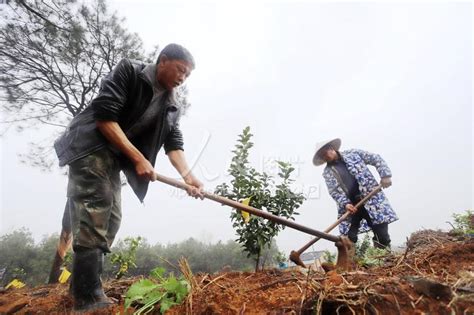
64 276
245 214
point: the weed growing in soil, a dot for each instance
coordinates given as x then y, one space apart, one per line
329 257
463 223
125 259
157 289
367 255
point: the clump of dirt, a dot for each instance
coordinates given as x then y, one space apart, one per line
435 275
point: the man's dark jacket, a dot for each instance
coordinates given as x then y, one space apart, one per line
124 96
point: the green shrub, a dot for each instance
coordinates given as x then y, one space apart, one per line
258 190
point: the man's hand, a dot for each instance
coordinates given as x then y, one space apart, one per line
386 182
179 162
351 208
145 170
197 186
115 135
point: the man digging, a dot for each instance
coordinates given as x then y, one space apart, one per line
349 180
136 112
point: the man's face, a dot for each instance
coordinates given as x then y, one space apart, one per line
172 73
328 154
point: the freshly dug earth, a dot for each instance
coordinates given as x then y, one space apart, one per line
435 275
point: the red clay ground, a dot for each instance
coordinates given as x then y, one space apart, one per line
434 276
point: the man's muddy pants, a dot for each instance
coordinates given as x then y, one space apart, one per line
94 200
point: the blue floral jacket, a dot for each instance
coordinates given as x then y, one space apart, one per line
378 207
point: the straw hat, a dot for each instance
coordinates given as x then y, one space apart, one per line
335 144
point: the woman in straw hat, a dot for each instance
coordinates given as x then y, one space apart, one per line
348 180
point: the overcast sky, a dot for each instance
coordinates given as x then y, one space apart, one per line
394 79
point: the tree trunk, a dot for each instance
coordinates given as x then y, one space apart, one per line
257 261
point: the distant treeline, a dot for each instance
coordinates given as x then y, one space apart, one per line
21 258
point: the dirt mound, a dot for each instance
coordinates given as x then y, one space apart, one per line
435 254
435 275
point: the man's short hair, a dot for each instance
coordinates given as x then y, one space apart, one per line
177 52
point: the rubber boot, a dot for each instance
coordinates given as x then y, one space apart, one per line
86 284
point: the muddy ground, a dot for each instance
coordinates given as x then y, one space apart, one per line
435 275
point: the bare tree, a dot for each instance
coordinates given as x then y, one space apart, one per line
53 54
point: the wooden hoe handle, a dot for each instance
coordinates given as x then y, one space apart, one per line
252 210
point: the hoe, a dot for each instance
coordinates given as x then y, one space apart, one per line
343 244
295 255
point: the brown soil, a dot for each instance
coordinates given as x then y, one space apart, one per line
435 275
